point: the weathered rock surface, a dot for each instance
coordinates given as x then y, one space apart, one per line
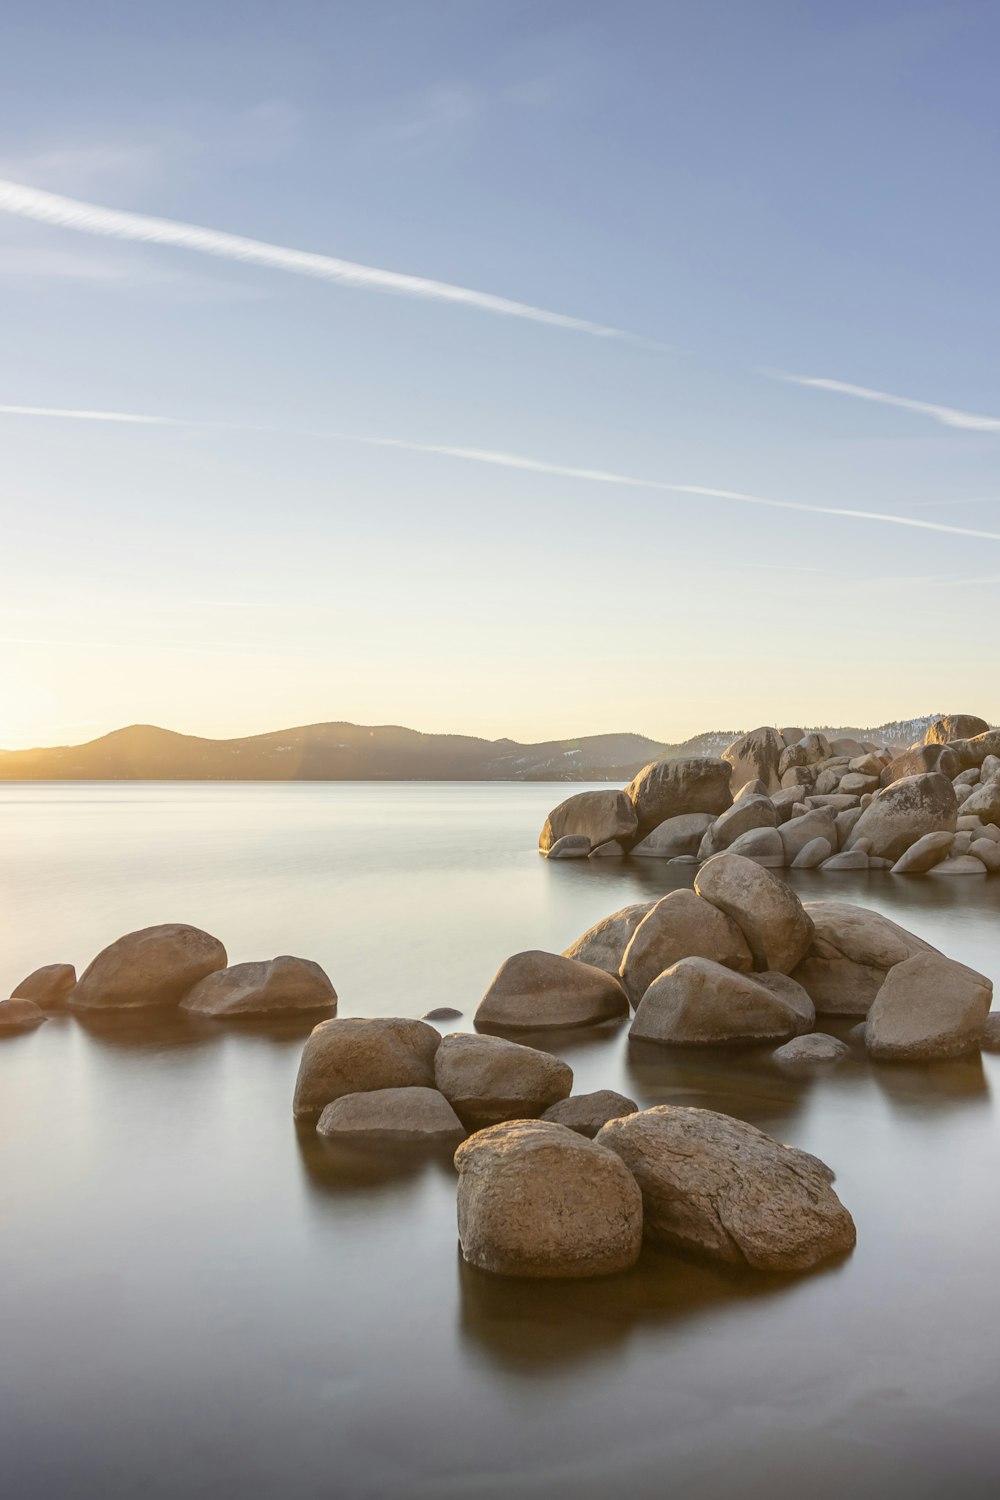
767 911
958 864
675 836
851 952
666 788
924 854
534 990
746 814
597 816
716 1186
697 1003
816 1047
819 823
570 846
19 1015
401 1114
276 986
955 727
680 925
604 944
815 853
536 1199
48 986
488 1079
588 1113
928 1007
154 966
902 813
357 1054
763 846
984 803
755 757
919 761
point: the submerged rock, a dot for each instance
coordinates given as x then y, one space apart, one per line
816 1047
442 1013
717 1186
154 966
536 1199
406 1114
275 986
357 1054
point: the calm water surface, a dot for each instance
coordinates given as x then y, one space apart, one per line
197 1301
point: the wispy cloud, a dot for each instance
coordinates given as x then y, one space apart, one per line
529 465
949 416
89 218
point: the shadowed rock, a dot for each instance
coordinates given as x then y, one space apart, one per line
767 911
488 1079
598 816
902 813
358 1054
533 990
928 1007
155 966
19 1015
406 1114
851 952
666 788
48 987
273 986
589 1113
697 1003
681 925
755 757
604 944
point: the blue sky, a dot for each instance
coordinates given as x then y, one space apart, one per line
742 190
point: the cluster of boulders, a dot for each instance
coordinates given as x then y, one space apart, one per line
171 965
784 798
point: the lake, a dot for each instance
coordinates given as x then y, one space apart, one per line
199 1301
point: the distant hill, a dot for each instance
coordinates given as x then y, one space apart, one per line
384 752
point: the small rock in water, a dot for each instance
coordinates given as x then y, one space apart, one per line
589 1113
19 1015
48 986
277 986
406 1114
442 1013
815 1047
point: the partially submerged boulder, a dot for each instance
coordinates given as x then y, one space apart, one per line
924 854
597 816
903 812
48 986
604 944
534 990
538 1200
674 837
570 846
488 1079
719 1187
767 911
358 1054
19 1015
666 788
407 1114
152 967
851 952
815 1047
275 986
588 1113
680 925
697 1003
928 1007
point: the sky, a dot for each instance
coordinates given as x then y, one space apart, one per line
529 369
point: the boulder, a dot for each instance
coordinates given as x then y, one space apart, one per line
675 836
48 987
442 1013
987 851
538 1200
920 760
928 1007
755 788
847 859
534 990
791 993
406 1114
819 823
717 1186
846 822
588 1113
991 1033
815 853
797 777
816 1047
751 812
959 864
851 952
766 910
20 1015
856 783
275 986
851 748
611 850
755 757
904 812
570 846
955 727
816 747
681 925
792 734
763 846
975 751
155 966
785 803
487 1079
597 816
604 944
666 788
358 1054
925 853
697 1003
983 803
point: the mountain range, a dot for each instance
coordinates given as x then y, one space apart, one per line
383 752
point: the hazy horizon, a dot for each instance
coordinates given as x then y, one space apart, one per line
558 372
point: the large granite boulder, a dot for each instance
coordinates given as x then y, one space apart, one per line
851 952
903 812
955 727
407 1114
928 1007
924 854
766 910
674 837
275 986
680 925
357 1054
697 1003
48 986
536 1199
974 752
604 944
155 966
487 1079
20 1015
755 756
918 761
746 815
984 803
589 1113
796 833
717 1186
666 788
599 816
534 990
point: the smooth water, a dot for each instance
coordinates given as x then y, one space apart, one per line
198 1301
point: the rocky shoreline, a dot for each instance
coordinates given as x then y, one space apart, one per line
786 799
553 1184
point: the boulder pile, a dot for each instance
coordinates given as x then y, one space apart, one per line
786 799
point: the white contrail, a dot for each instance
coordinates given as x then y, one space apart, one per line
88 416
531 465
950 416
71 213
